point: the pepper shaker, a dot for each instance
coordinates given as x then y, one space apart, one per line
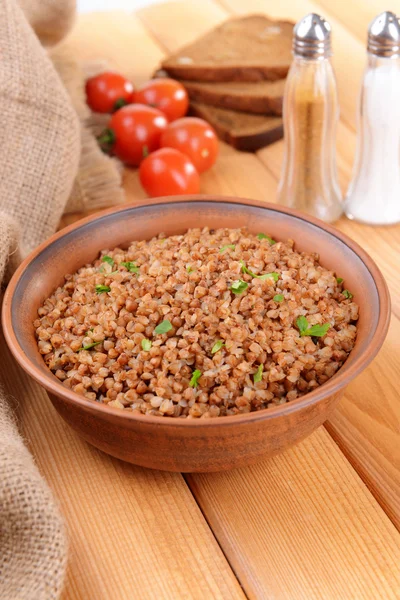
374 193
309 179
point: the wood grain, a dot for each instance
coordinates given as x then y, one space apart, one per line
134 533
300 526
384 478
339 546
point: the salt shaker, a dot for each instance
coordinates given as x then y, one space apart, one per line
309 179
374 193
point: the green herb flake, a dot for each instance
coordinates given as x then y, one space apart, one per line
108 260
258 374
230 246
131 266
162 240
146 345
314 330
274 276
347 294
217 346
278 298
239 286
92 345
339 279
195 378
102 288
163 327
264 236
189 269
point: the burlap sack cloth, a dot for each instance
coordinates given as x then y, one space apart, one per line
40 150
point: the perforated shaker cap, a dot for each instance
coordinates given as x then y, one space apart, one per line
384 35
312 37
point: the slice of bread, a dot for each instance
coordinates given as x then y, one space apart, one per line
243 131
265 97
251 48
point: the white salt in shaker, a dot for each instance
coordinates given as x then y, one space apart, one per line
374 193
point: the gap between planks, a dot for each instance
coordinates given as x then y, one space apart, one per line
383 487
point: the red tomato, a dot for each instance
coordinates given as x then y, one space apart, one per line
133 132
108 92
165 94
195 138
168 172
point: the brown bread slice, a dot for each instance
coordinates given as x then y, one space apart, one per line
265 97
243 131
251 48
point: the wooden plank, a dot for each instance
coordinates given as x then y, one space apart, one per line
356 15
341 544
133 533
229 500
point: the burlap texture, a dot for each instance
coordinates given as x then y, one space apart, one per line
39 154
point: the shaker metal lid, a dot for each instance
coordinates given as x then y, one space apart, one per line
384 35
312 37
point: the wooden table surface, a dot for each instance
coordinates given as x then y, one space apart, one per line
317 522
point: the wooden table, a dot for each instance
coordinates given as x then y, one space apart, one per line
317 522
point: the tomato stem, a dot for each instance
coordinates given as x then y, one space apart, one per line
106 139
145 151
119 104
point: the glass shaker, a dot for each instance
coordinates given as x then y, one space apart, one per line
309 179
374 193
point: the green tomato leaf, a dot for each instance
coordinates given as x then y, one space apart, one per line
318 330
302 324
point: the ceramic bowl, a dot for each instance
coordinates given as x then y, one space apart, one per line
190 445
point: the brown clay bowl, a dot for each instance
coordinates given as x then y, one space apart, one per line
181 444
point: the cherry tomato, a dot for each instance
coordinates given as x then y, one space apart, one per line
134 131
165 94
195 138
168 172
108 92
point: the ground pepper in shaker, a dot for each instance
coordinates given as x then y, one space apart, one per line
310 111
374 193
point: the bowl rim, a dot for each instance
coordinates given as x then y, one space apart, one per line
337 383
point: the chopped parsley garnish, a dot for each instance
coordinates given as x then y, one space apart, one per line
108 260
264 236
278 298
275 276
347 294
230 246
189 269
314 330
195 378
102 288
239 286
131 266
92 345
217 346
339 279
258 374
146 345
163 327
